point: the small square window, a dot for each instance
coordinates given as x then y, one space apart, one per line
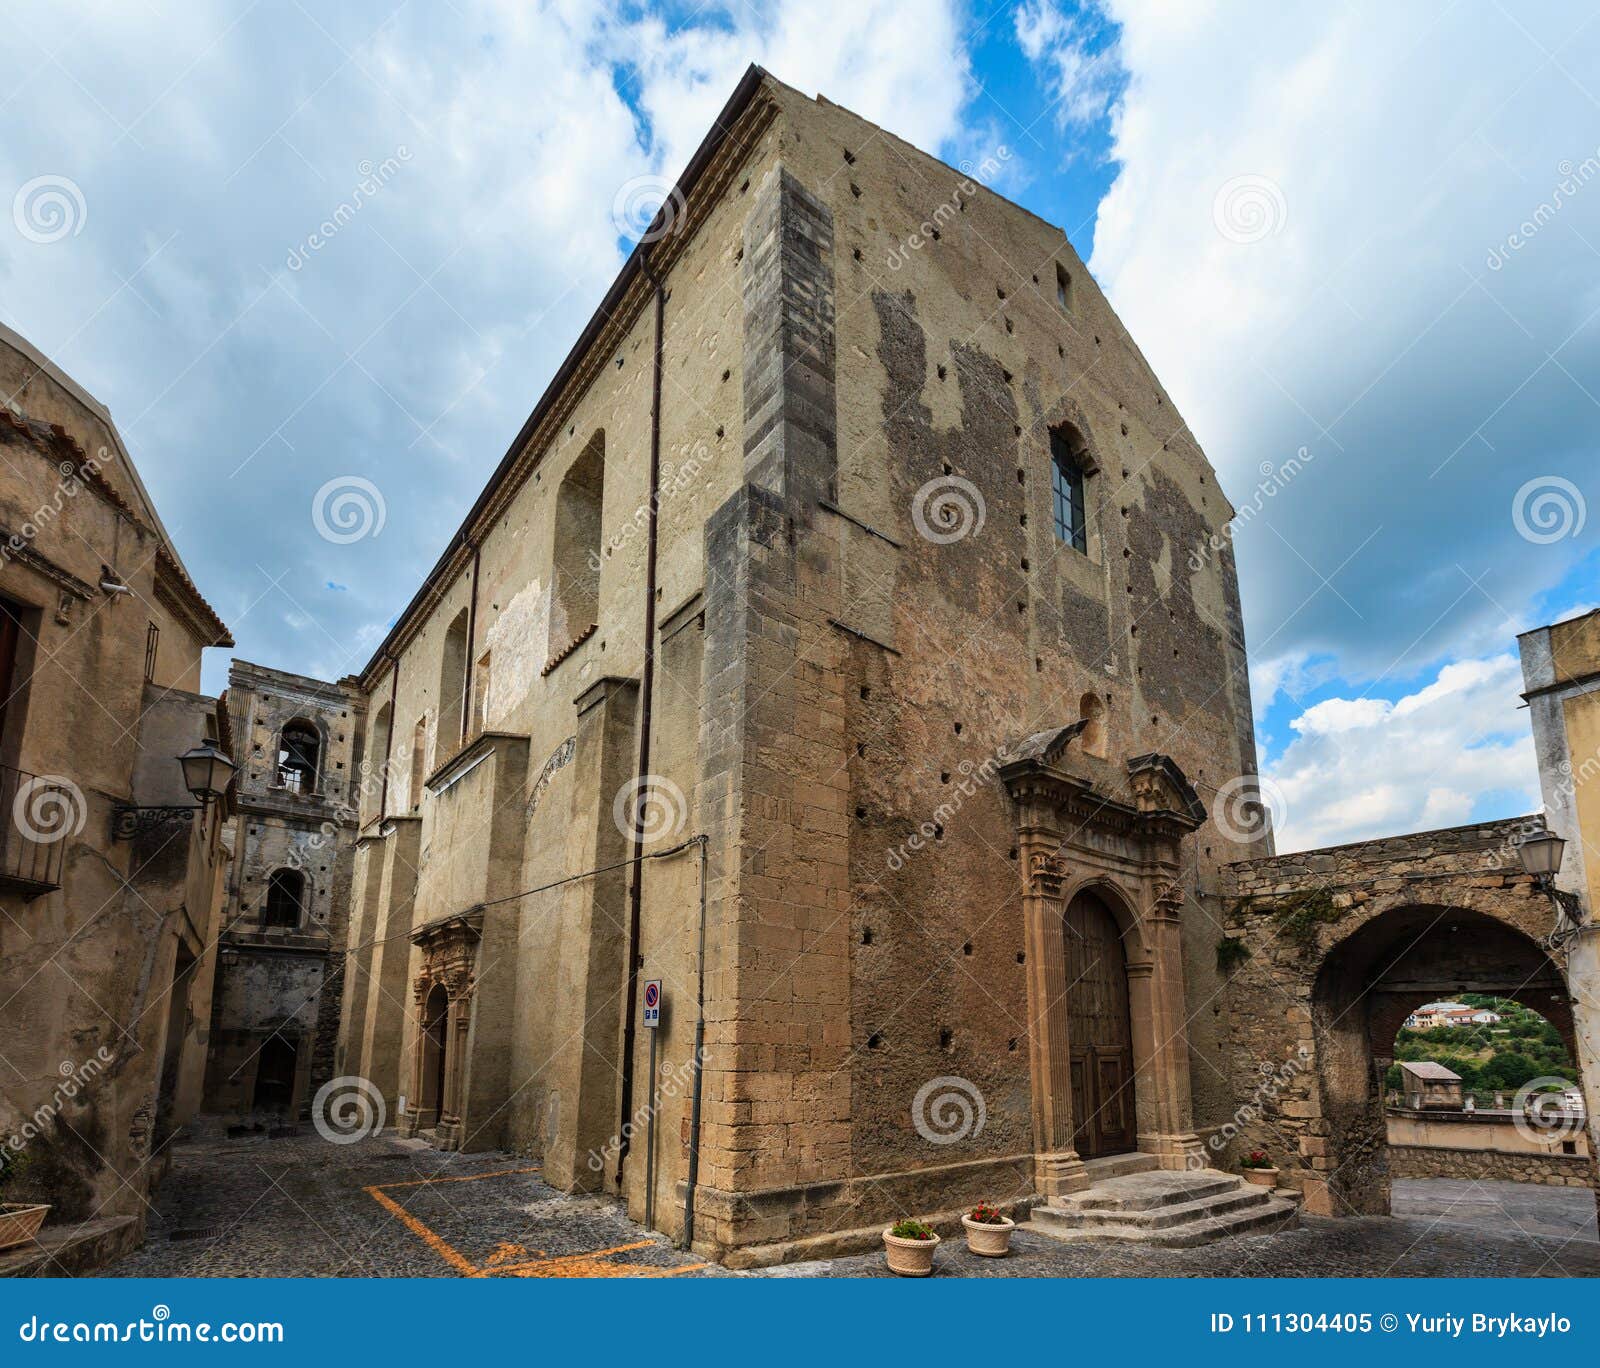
1063 287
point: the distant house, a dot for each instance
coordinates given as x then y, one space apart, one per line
1427 1086
1434 1014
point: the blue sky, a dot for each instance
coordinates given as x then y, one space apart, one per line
1364 239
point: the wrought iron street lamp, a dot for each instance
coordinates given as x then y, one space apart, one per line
1540 855
207 771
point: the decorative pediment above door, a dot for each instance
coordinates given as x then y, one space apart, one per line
1057 784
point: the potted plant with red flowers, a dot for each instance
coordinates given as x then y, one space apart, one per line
1259 1169
988 1231
909 1245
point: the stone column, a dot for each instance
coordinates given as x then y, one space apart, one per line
447 1134
1173 1141
1058 1169
411 1118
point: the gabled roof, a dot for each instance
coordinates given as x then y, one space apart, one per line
173 583
1426 1068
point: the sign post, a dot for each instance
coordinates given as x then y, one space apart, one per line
651 1008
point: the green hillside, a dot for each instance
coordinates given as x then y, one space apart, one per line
1490 1059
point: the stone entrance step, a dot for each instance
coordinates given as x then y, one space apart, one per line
1176 1210
1119 1165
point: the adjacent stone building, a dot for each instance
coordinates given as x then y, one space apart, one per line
1561 671
275 1008
849 640
111 873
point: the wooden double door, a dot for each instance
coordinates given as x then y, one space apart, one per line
1099 1031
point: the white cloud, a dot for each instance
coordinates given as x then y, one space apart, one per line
1384 151
410 347
1359 768
1080 78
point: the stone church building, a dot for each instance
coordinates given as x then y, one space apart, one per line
850 641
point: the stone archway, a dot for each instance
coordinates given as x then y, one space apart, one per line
1330 950
1366 987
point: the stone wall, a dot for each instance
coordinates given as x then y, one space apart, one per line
108 915
1429 1161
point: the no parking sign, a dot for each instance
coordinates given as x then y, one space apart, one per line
652 1002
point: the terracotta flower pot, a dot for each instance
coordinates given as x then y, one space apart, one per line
1261 1177
909 1258
990 1239
20 1222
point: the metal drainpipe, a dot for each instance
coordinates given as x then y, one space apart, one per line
646 694
698 1062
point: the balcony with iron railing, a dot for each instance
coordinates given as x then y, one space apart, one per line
38 815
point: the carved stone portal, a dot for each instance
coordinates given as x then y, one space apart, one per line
442 1020
1097 841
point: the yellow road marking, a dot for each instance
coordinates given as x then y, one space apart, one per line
436 1243
594 1263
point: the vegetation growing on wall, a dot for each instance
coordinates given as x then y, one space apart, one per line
1299 916
1231 953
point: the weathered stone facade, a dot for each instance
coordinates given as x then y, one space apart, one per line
1330 951
774 564
111 875
275 1012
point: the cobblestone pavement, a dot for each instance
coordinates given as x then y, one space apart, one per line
301 1207
1507 1208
